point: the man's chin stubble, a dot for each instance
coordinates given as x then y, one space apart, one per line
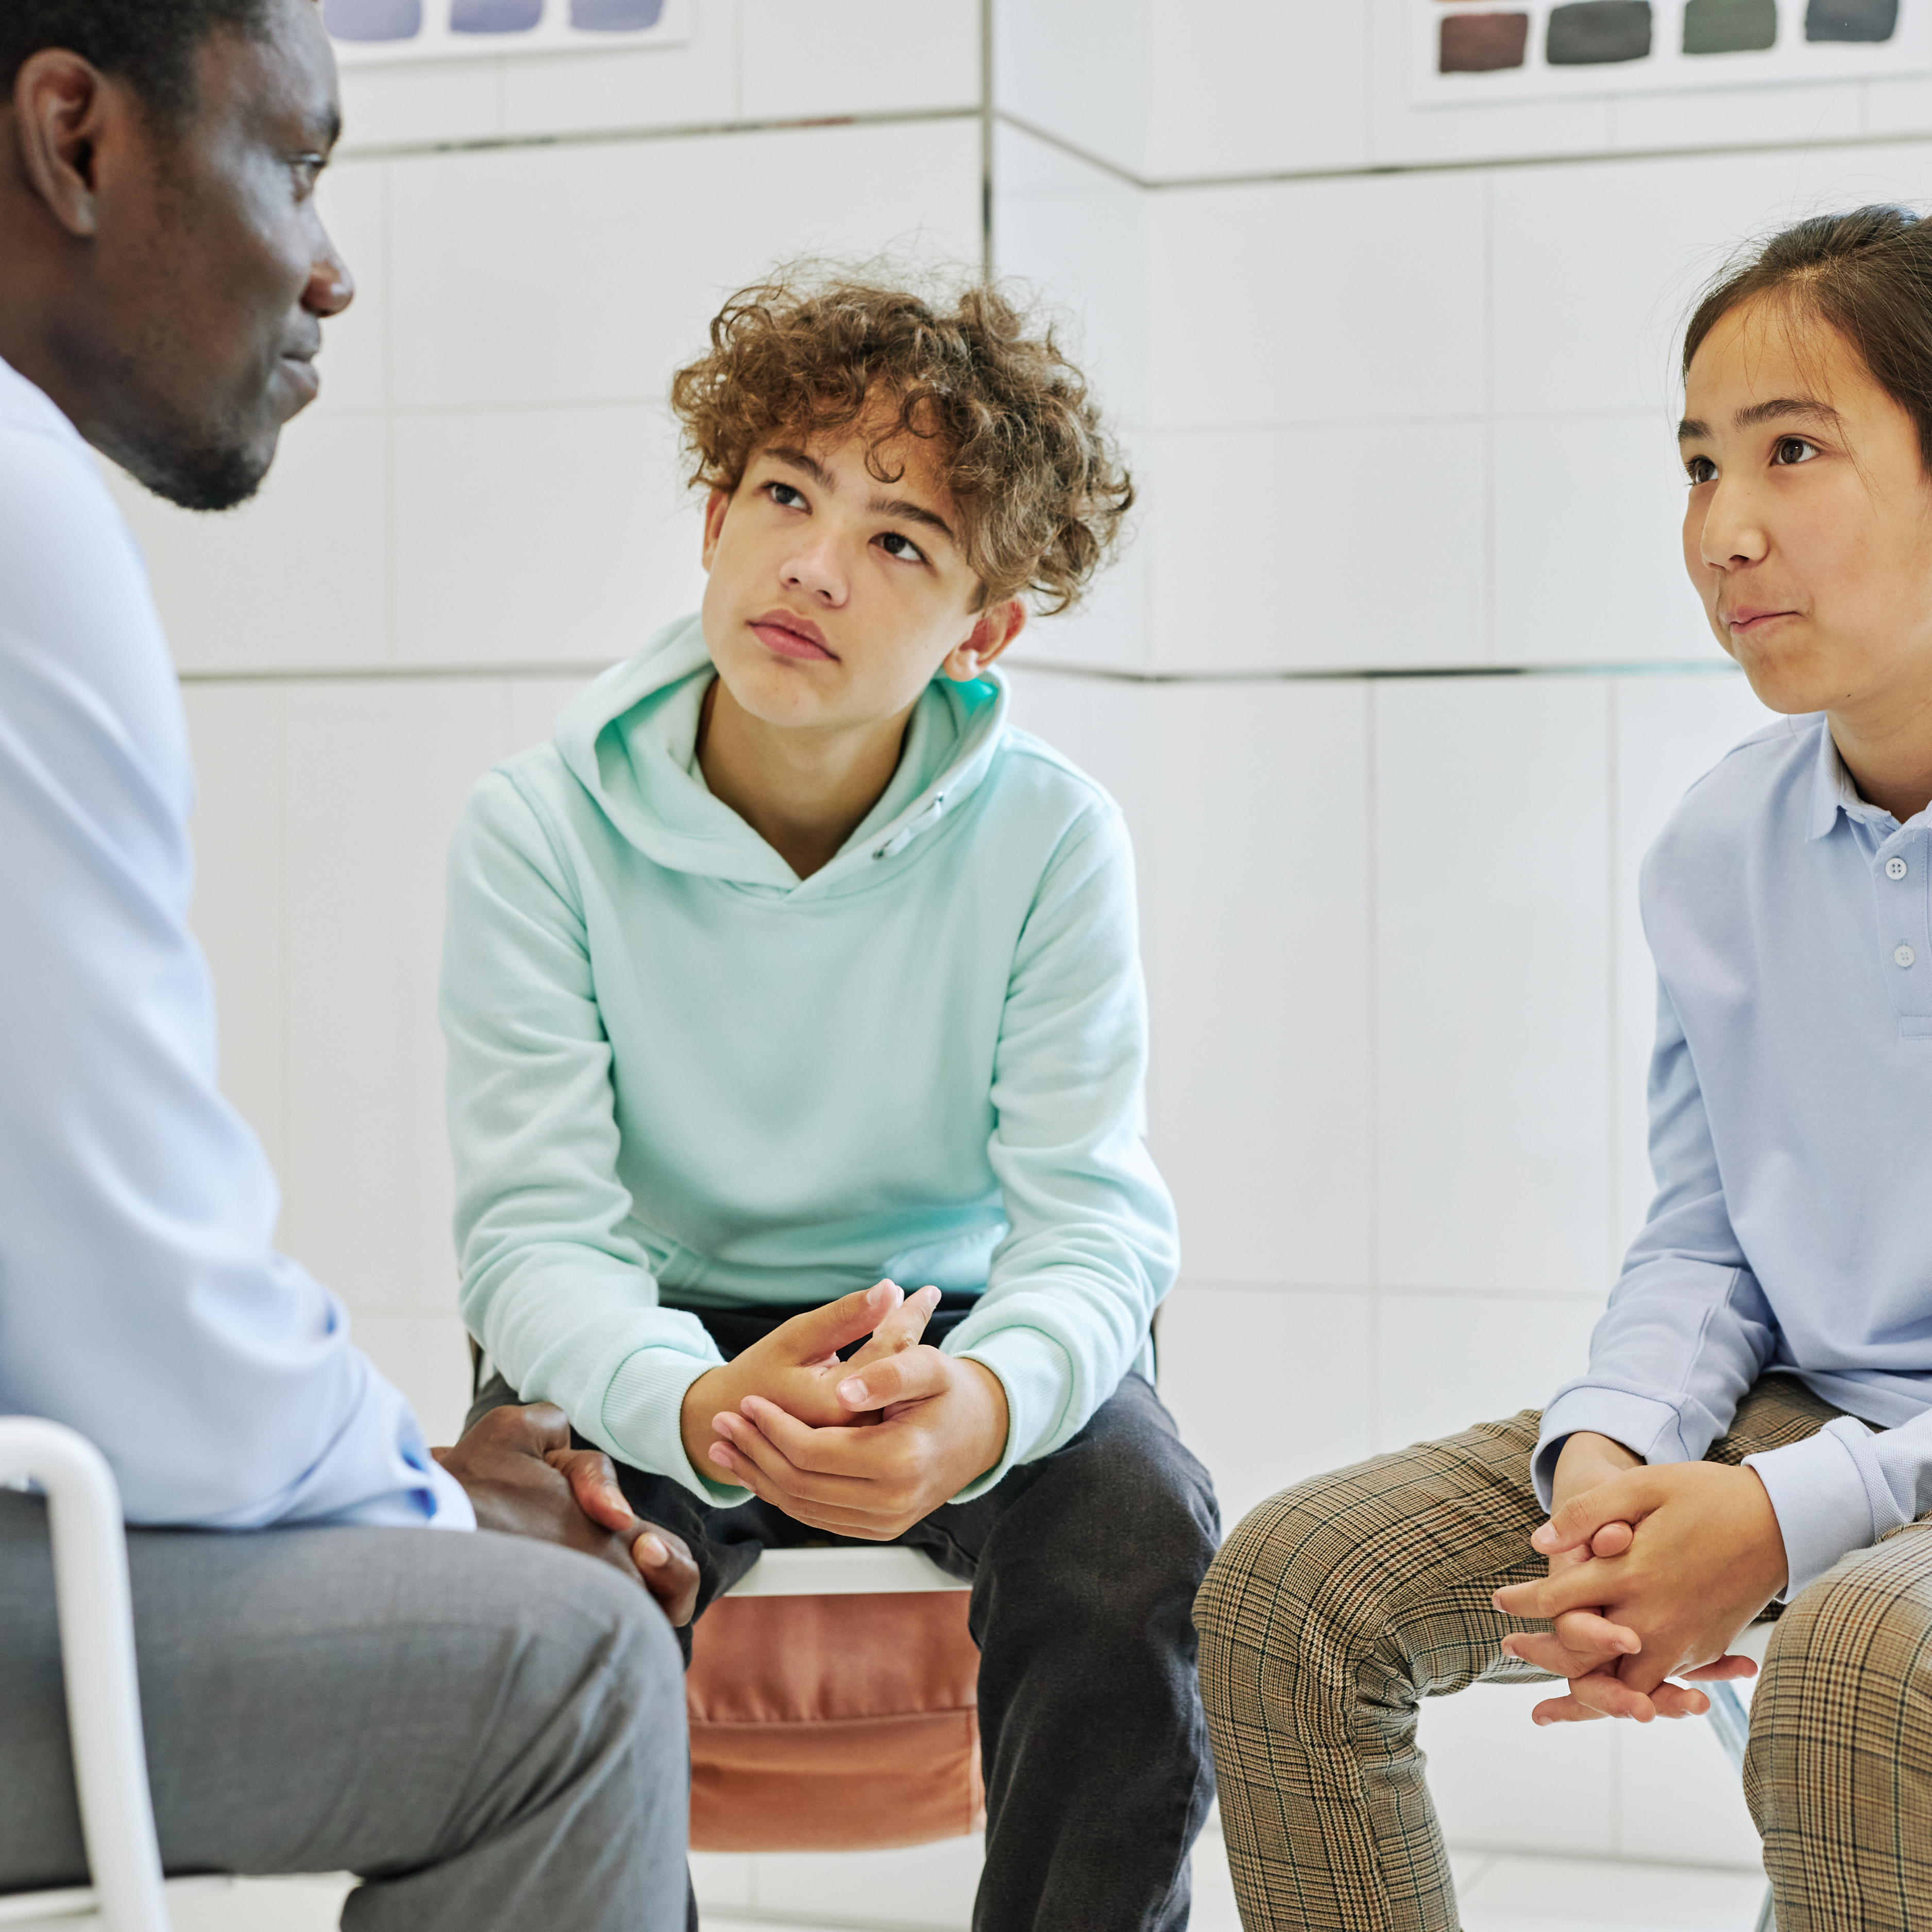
204 473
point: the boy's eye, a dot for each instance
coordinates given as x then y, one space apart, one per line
785 497
1793 449
1700 469
894 544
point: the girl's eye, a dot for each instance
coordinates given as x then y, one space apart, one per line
1700 469
1794 449
896 545
784 496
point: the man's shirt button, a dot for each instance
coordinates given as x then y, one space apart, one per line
1904 956
1895 868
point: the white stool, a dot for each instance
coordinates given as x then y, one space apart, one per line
1730 1720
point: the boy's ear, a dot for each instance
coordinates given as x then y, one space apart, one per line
998 625
715 505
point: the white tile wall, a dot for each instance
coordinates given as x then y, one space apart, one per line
1493 967
856 57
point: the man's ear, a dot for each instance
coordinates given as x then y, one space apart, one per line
715 505
62 105
998 625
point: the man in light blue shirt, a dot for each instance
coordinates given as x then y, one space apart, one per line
490 1727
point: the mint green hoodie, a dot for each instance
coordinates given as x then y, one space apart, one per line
678 1073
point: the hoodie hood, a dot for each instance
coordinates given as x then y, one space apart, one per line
630 738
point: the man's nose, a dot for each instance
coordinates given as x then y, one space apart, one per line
331 287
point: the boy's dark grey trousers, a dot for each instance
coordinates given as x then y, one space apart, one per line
490 1729
1084 1567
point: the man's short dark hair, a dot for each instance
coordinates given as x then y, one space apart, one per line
149 44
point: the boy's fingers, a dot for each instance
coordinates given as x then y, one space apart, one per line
821 1332
1723 1668
833 1450
1563 1711
1607 1694
910 1376
1589 1630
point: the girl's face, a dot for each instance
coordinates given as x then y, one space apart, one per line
1808 533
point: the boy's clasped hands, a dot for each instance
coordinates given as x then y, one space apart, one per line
1653 1572
865 1448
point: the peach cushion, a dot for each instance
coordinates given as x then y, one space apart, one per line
833 1724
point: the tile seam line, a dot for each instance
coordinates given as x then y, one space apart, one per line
353 151
1154 183
589 668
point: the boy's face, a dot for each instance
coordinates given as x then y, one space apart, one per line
834 599
1808 533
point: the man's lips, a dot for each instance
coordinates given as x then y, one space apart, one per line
301 372
791 637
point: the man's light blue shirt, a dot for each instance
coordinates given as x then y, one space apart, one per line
142 1300
1791 1134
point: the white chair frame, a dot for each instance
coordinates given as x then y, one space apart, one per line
1730 1724
103 1702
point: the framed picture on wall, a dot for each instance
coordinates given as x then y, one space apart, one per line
1490 51
365 31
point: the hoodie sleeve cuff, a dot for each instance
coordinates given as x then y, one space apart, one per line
1034 1370
643 1411
1828 1503
1645 1427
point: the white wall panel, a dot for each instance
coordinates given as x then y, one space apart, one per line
297 579
527 535
1589 567
499 302
535 703
376 774
1079 69
1677 1798
1304 301
423 102
829 57
1793 116
1259 944
1445 1362
1253 87
1493 945
692 85
1269 1386
1318 549
234 733
1669 732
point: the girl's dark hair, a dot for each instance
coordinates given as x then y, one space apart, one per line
1868 274
150 44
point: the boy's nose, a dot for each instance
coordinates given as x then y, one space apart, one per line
817 575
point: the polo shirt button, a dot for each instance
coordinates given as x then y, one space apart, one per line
1895 868
1904 956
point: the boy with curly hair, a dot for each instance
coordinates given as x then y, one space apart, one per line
790 965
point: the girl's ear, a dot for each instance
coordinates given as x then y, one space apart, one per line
715 505
998 626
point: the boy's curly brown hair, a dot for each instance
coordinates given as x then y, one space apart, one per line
1034 471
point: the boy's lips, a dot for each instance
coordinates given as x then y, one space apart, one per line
791 637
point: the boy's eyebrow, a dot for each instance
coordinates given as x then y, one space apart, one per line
1777 410
900 507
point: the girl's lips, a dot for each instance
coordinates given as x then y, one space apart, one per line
787 643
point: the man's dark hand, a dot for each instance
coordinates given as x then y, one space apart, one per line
523 1478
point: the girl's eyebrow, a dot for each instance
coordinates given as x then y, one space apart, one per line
1778 409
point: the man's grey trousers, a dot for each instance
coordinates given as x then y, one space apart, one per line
490 1730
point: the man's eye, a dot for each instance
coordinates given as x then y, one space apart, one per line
1794 449
1700 469
896 545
